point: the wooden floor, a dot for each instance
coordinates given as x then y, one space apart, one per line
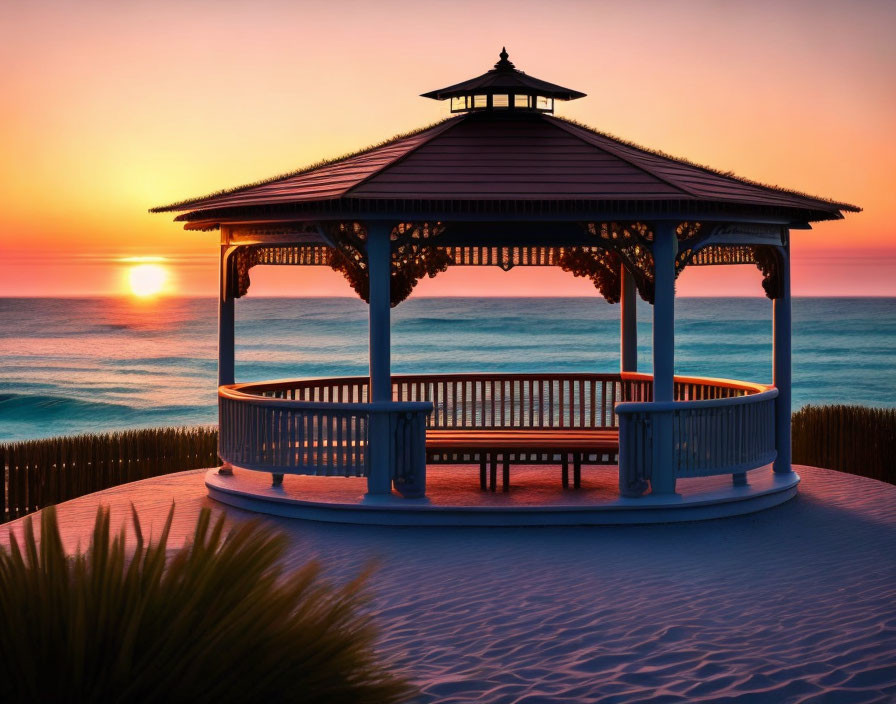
458 485
536 497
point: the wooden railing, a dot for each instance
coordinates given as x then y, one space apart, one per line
320 426
724 427
264 429
726 436
499 401
506 401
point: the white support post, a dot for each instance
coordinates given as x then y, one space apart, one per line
628 323
782 365
665 248
226 356
379 262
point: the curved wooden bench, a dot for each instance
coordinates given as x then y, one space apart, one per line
488 444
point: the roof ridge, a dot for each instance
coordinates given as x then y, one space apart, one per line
189 202
706 169
446 125
565 126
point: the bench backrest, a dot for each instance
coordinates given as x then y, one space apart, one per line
513 401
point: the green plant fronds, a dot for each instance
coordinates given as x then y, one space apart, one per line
189 202
726 174
217 620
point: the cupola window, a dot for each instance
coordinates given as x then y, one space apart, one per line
460 103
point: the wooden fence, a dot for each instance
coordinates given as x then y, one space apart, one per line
853 439
38 473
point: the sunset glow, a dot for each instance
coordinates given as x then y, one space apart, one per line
147 279
136 109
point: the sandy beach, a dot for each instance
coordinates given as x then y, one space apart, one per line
794 604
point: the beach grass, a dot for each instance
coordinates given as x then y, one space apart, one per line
39 473
210 621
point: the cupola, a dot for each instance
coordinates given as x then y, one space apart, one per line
504 88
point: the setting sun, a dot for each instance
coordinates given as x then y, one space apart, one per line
147 279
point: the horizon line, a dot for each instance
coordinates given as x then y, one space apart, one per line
126 296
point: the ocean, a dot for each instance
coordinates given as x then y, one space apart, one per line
91 365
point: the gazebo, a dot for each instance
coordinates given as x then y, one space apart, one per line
505 182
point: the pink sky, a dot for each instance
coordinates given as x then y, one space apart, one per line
111 108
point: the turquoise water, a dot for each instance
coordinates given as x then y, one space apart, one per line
83 365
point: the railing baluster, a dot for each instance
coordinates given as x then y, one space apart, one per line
551 387
560 405
603 401
513 397
360 443
331 431
502 385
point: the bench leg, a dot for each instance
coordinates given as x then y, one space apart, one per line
483 482
577 471
565 471
505 478
494 473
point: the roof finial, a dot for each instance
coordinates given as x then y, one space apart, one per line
504 64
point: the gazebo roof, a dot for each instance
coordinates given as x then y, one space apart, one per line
511 162
520 158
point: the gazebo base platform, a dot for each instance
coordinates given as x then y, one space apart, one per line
536 498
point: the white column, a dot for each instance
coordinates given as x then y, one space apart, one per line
379 261
781 365
226 362
665 248
226 374
628 323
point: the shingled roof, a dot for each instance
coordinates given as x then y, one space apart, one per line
474 158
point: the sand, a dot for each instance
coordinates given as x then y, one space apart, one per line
794 604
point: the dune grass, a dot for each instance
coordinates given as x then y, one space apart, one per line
854 439
216 620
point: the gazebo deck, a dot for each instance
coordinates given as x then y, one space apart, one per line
536 497
320 437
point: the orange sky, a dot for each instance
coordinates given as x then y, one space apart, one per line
110 108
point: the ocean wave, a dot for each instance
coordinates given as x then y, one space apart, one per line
22 407
85 365
132 364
